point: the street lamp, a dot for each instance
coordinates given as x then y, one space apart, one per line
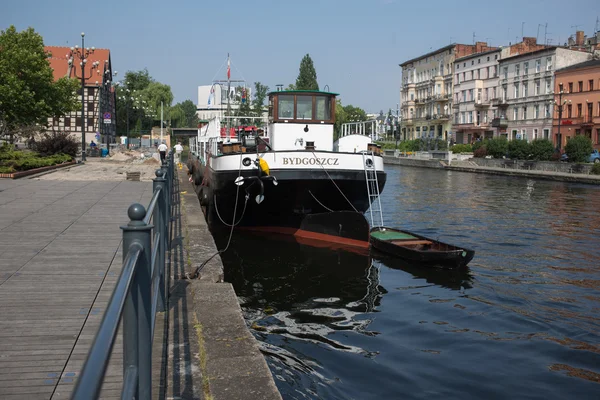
560 106
82 54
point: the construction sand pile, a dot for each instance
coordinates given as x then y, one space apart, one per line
121 157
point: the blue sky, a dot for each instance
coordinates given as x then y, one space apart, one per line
356 45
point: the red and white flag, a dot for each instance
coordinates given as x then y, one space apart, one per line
228 69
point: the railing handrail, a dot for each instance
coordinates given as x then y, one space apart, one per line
140 288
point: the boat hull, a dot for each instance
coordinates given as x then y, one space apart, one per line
420 249
298 194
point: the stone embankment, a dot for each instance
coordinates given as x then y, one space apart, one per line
557 171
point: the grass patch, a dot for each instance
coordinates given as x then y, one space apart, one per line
202 357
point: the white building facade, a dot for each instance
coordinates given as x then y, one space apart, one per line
525 91
475 88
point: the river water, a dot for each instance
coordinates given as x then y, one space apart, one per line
522 321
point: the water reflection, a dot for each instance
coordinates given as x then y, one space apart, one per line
523 318
454 279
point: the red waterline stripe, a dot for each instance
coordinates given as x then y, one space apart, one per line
301 233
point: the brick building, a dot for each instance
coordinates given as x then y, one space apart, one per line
99 95
580 101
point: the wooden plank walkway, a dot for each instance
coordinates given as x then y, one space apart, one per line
60 256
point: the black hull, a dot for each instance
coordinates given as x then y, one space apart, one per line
435 254
298 194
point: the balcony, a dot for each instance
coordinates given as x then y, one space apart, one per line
419 101
500 102
501 122
587 120
441 117
481 103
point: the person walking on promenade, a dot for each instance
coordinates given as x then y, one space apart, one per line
178 149
162 149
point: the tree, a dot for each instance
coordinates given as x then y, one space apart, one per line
147 95
184 115
578 148
307 77
354 114
260 94
28 93
340 118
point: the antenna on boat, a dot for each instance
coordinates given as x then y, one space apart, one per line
228 94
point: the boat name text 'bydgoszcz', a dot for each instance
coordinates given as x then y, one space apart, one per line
310 161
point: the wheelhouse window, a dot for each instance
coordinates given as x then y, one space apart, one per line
323 108
304 107
286 106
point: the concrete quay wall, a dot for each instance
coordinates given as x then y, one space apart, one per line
213 354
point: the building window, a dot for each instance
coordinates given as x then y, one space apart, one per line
67 121
536 88
569 111
504 93
570 87
78 122
580 86
90 124
470 117
517 70
91 91
525 69
535 133
524 112
579 110
549 64
516 94
538 65
591 85
548 86
547 111
495 69
525 89
90 106
536 112
560 87
515 114
547 134
471 98
505 72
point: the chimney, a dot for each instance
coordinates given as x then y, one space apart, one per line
579 38
530 41
480 46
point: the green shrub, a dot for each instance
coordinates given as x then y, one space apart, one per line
497 147
57 143
542 150
596 169
477 145
6 170
579 148
480 152
462 148
519 149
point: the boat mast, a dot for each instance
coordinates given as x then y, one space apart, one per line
228 94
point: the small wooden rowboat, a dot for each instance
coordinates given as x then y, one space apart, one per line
413 247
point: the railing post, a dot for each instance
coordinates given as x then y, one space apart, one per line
160 219
165 168
137 343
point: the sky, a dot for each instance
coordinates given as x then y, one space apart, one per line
356 45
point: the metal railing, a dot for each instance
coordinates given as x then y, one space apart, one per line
140 292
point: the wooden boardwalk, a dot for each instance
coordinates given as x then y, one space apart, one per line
60 256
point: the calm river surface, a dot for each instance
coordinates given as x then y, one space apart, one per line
522 322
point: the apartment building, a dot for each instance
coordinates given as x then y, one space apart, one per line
526 90
577 103
426 91
475 88
99 95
